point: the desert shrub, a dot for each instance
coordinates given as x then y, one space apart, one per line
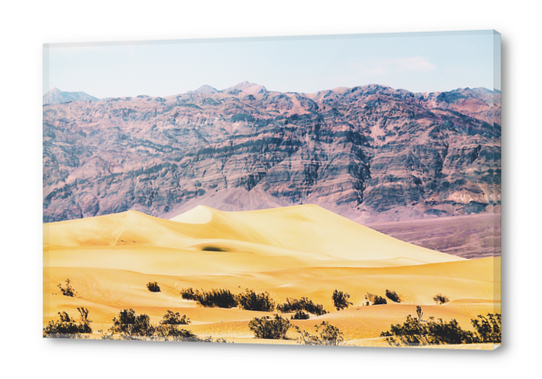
213 248
153 287
392 295
440 299
300 315
340 300
416 332
419 313
253 301
173 332
488 329
190 294
375 299
326 334
171 318
128 324
269 328
67 327
215 298
413 332
67 290
293 305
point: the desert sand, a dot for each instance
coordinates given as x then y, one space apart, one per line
292 252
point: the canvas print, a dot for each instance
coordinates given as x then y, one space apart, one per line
320 190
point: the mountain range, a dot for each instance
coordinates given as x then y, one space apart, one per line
370 153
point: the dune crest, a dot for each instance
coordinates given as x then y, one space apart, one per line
197 215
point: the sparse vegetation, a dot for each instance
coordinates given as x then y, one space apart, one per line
488 329
67 327
153 286
67 290
440 299
215 298
270 328
326 334
171 318
253 301
293 305
300 315
375 299
340 300
189 294
392 295
415 332
128 324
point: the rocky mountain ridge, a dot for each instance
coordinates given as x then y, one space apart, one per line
369 153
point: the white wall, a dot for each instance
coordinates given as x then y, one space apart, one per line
26 26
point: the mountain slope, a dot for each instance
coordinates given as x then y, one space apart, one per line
369 153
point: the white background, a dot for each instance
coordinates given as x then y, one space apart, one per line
26 26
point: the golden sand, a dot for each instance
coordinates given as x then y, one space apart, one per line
293 252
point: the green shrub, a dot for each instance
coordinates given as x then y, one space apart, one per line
392 295
326 334
252 301
68 290
340 300
171 318
67 327
270 328
153 287
293 305
300 315
440 299
375 299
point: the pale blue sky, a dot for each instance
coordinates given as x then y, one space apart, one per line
418 62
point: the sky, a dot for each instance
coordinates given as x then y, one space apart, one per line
418 62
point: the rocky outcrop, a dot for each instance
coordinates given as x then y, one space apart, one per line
369 153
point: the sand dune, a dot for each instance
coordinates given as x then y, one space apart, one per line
289 252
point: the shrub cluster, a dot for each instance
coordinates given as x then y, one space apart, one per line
215 298
153 287
300 315
392 295
270 328
129 325
293 305
414 332
375 299
171 318
67 327
440 299
326 334
253 301
68 290
340 300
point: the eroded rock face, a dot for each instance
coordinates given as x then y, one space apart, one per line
369 153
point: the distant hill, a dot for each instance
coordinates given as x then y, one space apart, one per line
370 153
56 96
